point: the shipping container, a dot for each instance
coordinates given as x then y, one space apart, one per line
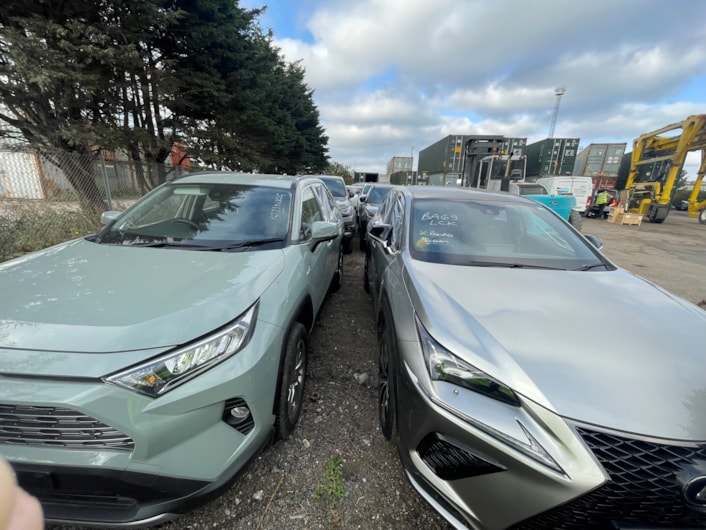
444 156
461 154
404 178
600 160
444 179
551 156
399 163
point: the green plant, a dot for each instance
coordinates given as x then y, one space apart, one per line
26 227
332 487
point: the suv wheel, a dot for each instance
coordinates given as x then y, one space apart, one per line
290 393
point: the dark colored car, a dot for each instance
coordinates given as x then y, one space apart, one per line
369 204
337 186
513 398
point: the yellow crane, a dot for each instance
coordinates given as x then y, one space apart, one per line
656 163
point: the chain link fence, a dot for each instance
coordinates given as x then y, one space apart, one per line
47 198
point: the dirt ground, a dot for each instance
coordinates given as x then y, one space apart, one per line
289 486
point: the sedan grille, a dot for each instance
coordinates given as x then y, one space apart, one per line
57 427
643 489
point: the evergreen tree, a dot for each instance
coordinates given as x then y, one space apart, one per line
139 75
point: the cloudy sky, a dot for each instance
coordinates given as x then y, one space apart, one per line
391 77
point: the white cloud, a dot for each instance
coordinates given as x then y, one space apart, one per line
390 76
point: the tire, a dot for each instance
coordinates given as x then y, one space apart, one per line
366 283
702 216
290 392
337 280
387 383
576 220
348 245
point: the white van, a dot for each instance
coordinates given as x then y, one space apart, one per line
579 187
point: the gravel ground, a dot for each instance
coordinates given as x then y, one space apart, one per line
289 486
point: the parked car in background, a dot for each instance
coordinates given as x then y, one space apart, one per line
337 187
363 192
354 192
504 419
681 205
369 204
142 367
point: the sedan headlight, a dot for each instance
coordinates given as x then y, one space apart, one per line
160 375
442 365
445 366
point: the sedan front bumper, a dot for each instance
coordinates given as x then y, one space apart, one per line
471 477
466 474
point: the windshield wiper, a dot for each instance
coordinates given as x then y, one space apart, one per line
239 244
589 267
507 265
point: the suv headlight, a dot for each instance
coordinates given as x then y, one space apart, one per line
346 209
158 376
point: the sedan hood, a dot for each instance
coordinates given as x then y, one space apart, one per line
604 348
85 297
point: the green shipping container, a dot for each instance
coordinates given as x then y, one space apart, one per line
551 156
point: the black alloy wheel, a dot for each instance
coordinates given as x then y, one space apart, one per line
387 383
290 393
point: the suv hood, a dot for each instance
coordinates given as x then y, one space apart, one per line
86 297
605 348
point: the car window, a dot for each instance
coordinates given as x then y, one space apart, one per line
397 221
383 212
517 234
328 203
208 213
311 212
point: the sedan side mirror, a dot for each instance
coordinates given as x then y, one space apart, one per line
382 232
595 241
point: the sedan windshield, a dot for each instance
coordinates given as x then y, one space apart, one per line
377 194
497 234
206 216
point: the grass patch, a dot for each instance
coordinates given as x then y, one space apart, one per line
332 487
26 227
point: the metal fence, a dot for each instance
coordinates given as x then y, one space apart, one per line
99 179
48 198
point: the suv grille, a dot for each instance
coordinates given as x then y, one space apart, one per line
643 489
57 427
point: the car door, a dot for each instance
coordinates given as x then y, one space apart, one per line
332 214
316 263
385 250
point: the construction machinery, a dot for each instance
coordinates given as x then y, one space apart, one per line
656 163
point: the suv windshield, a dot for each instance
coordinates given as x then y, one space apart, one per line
336 186
205 215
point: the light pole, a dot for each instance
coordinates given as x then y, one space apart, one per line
559 91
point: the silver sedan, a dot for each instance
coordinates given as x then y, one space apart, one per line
527 381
